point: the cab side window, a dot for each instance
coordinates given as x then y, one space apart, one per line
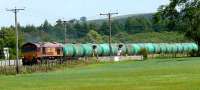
43 50
38 49
58 51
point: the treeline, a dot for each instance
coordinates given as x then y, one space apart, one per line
84 31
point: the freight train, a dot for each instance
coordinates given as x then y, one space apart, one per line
34 53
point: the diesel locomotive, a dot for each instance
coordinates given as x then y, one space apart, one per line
33 53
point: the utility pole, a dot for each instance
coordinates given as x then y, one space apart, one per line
109 15
65 25
65 28
15 11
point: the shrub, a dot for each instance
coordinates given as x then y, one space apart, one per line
193 53
144 53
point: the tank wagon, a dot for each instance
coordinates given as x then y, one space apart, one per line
34 52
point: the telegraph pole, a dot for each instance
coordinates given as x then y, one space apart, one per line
109 15
15 11
65 25
65 28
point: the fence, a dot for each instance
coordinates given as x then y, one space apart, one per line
9 68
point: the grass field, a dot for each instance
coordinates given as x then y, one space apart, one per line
155 74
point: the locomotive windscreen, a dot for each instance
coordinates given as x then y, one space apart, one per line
28 48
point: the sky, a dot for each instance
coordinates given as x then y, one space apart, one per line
36 11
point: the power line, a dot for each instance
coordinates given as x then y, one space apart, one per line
15 11
109 15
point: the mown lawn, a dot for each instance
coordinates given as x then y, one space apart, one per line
157 74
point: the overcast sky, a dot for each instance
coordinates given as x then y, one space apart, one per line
36 11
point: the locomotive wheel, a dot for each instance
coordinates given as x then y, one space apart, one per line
32 62
24 62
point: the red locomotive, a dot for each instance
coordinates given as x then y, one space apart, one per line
33 53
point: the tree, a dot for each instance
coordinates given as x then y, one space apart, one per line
8 39
93 37
137 25
59 30
122 37
146 23
104 29
128 24
84 28
78 32
46 32
83 19
116 27
31 33
92 26
183 15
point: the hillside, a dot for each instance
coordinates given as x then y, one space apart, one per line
123 18
152 37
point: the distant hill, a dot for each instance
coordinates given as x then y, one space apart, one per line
147 15
122 18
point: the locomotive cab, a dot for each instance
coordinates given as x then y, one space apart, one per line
29 52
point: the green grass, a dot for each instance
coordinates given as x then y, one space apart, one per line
155 74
